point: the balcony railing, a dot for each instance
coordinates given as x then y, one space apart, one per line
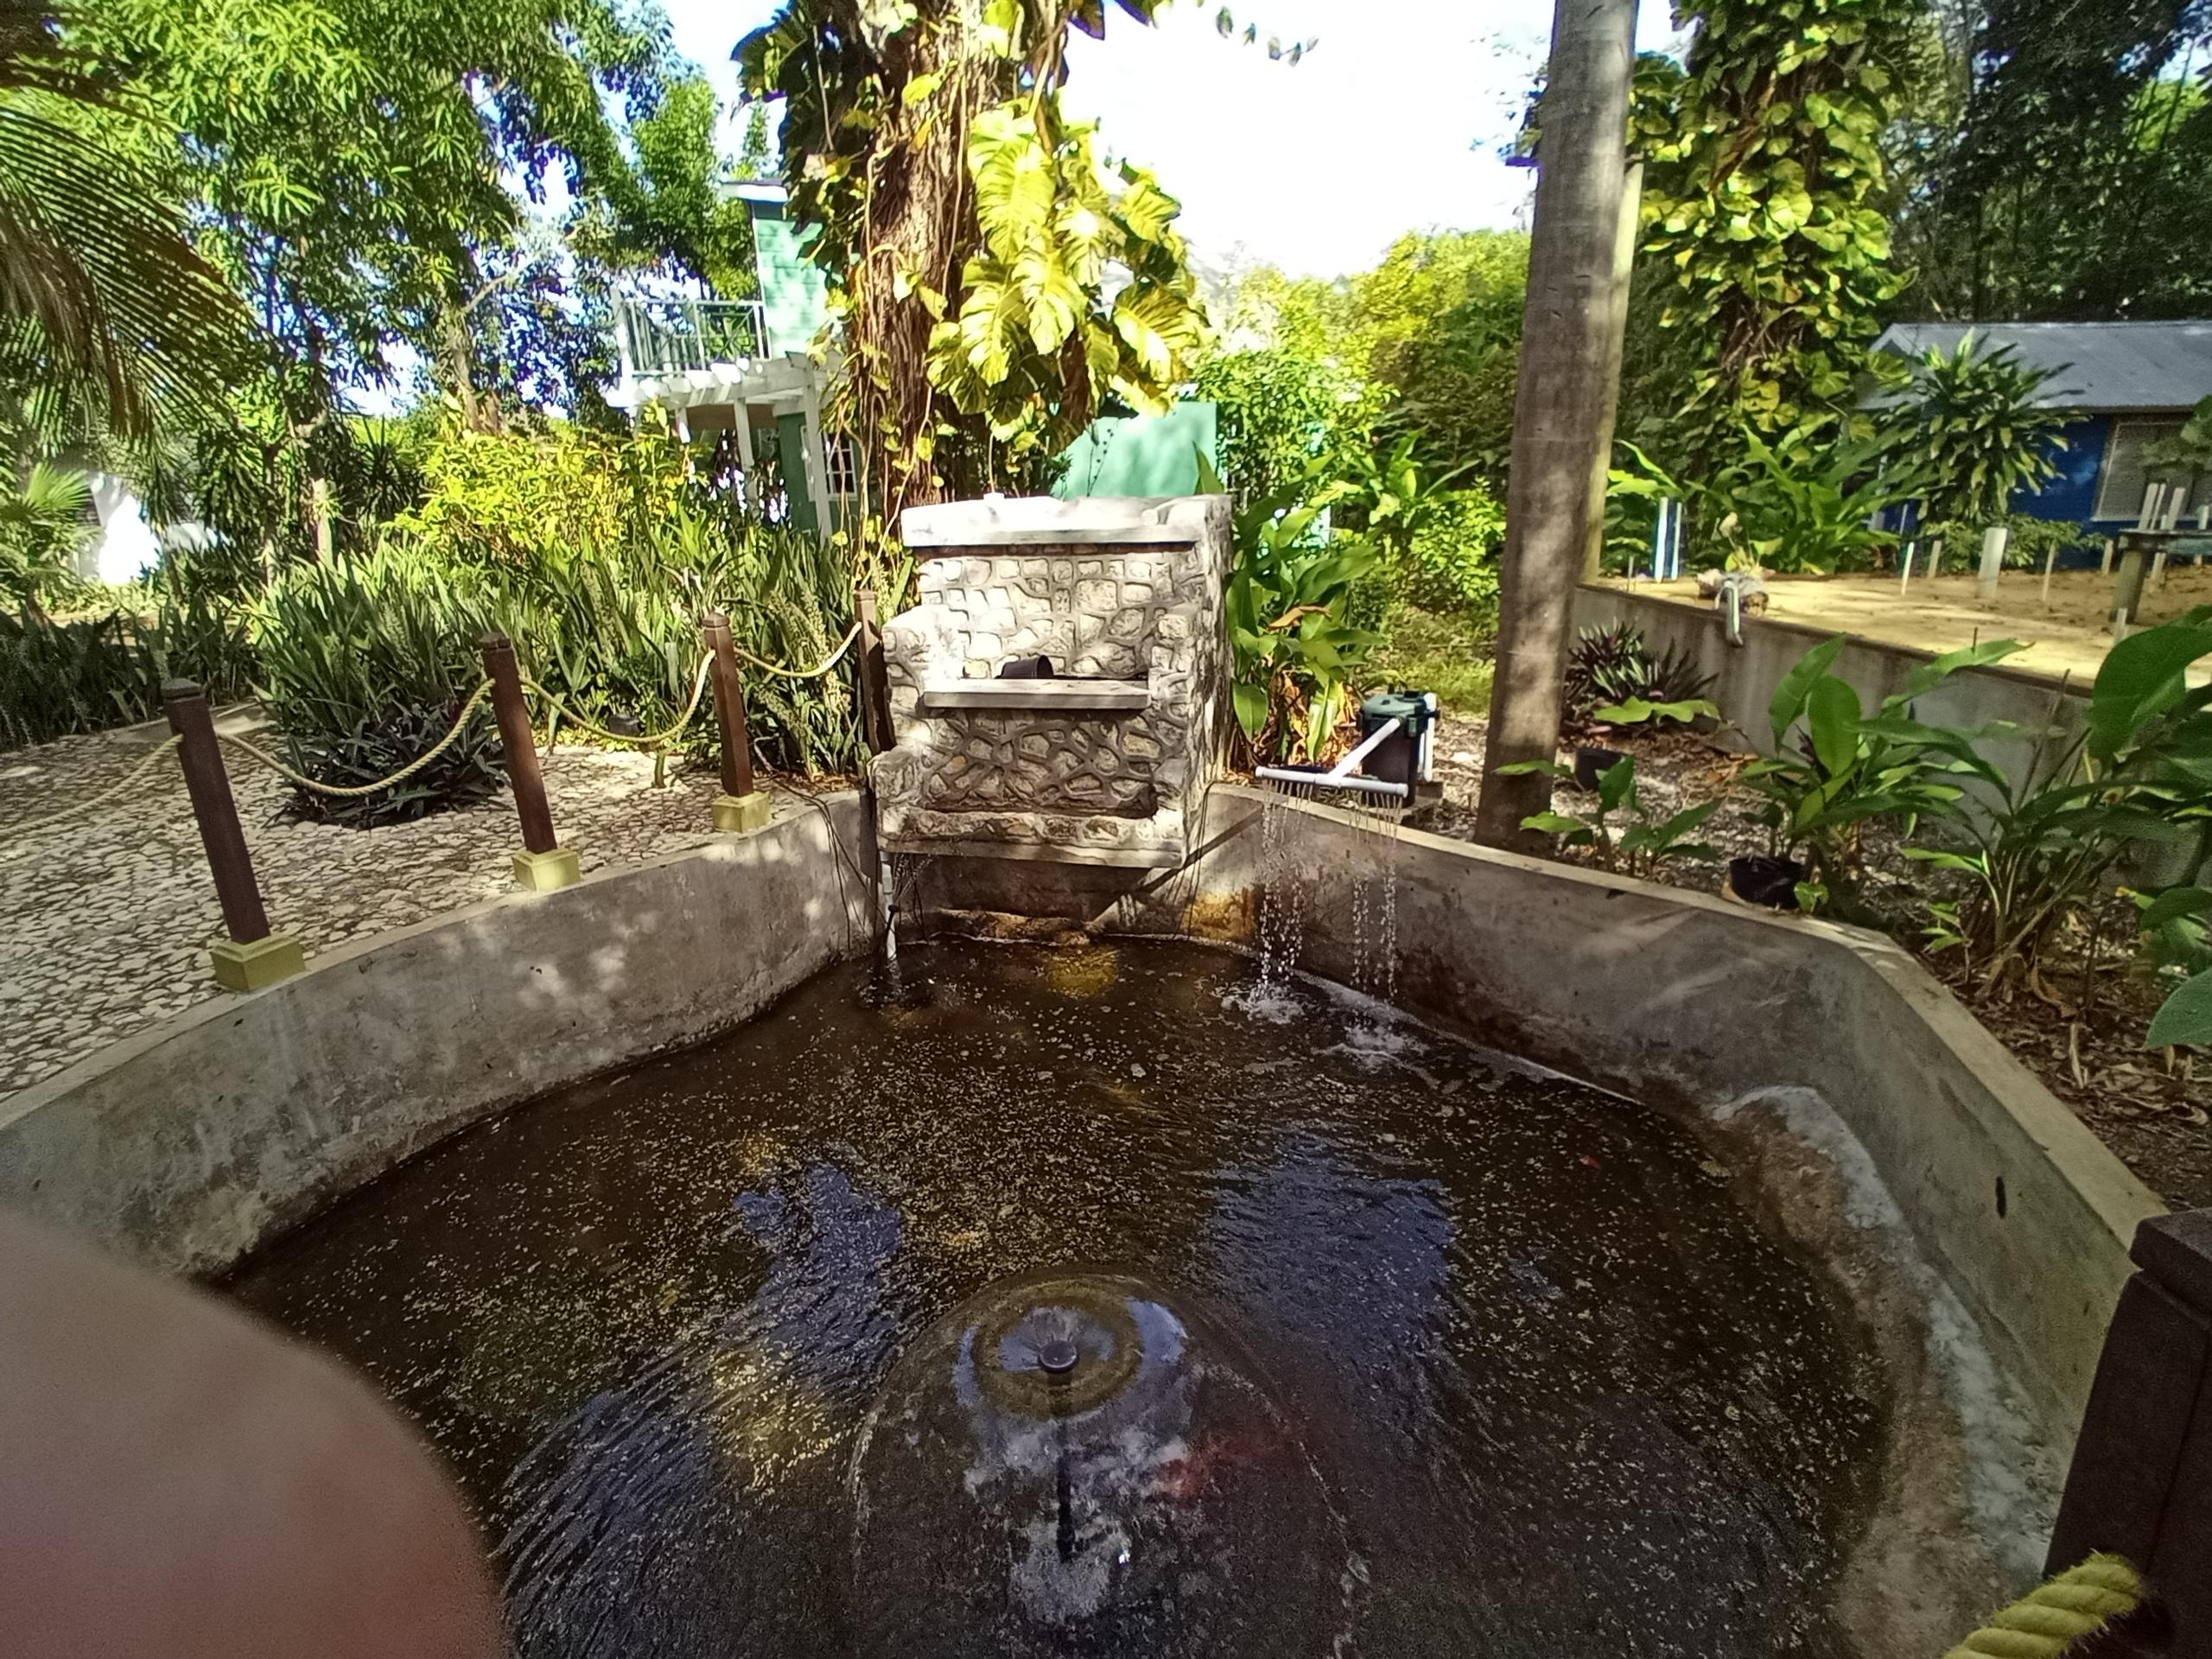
668 336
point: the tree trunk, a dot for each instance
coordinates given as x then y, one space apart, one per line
1593 556
1563 409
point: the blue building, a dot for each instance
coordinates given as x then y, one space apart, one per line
2133 383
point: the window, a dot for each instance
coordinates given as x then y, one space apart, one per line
837 457
2120 486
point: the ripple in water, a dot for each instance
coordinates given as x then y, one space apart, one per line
1391 1349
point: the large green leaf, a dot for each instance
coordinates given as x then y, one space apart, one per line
2143 675
1251 707
1833 711
1789 696
2186 1016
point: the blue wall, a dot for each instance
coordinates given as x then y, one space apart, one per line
2073 494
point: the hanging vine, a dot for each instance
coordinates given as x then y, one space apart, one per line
1762 205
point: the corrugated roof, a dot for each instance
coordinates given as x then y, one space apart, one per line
2095 366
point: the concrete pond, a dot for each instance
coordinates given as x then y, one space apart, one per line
1642 1276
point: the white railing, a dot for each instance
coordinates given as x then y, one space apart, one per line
668 336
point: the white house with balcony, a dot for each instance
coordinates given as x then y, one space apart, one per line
746 366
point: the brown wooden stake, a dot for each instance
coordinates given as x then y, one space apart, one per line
209 784
875 694
729 706
519 742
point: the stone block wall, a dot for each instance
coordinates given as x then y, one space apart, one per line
1125 590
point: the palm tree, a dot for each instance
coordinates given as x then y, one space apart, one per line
104 304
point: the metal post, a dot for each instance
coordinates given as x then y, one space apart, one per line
875 695
740 807
1994 541
543 865
253 955
1904 568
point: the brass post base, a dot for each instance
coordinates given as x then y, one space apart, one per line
548 872
738 815
264 961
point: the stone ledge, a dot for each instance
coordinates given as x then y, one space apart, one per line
1162 858
1053 697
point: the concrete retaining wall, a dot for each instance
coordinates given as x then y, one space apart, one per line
190 1144
1745 676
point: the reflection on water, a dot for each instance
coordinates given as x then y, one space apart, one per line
1465 1361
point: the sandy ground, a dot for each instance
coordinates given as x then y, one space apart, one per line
2069 636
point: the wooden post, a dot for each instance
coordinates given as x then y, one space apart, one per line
2049 563
2140 1484
1904 568
2104 566
1563 409
875 691
254 956
543 865
740 807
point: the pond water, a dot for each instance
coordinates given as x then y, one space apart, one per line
1078 1301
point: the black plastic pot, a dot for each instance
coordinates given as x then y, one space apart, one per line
1769 882
1591 761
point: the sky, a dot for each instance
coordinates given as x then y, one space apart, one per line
1391 123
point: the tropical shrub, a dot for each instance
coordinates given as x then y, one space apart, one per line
1611 666
1848 768
1289 594
79 674
1808 503
366 663
1977 423
1647 845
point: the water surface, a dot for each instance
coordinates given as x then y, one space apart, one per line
1443 1357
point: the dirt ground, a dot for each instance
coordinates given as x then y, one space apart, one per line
2084 1042
2069 636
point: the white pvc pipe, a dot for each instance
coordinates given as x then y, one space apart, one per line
1993 541
1316 780
1368 745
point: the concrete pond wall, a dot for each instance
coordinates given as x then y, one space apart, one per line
188 1144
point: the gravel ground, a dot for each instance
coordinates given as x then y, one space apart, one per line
2082 1033
105 920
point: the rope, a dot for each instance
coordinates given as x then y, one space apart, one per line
659 740
827 663
18 831
354 792
2050 1618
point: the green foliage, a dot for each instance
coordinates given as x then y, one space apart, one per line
1295 649
81 675
1444 651
1648 845
1762 207
2058 170
1448 561
2188 454
1036 344
107 314
1974 422
2139 776
1280 411
365 663
2032 540
1611 667
42 531
1848 769
1808 503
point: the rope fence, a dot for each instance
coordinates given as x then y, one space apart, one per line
254 956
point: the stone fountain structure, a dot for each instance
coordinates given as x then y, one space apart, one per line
1106 761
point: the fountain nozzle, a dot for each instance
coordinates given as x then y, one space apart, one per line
1057 1358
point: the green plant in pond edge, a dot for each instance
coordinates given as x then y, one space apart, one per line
1848 768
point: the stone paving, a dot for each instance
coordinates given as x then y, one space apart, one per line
105 921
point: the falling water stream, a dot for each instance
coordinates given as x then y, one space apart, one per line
1056 1303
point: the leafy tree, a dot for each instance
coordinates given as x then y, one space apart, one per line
1440 322
1976 422
964 232
1762 208
2062 173
106 312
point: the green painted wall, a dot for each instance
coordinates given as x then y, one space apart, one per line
1142 454
790 455
791 293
